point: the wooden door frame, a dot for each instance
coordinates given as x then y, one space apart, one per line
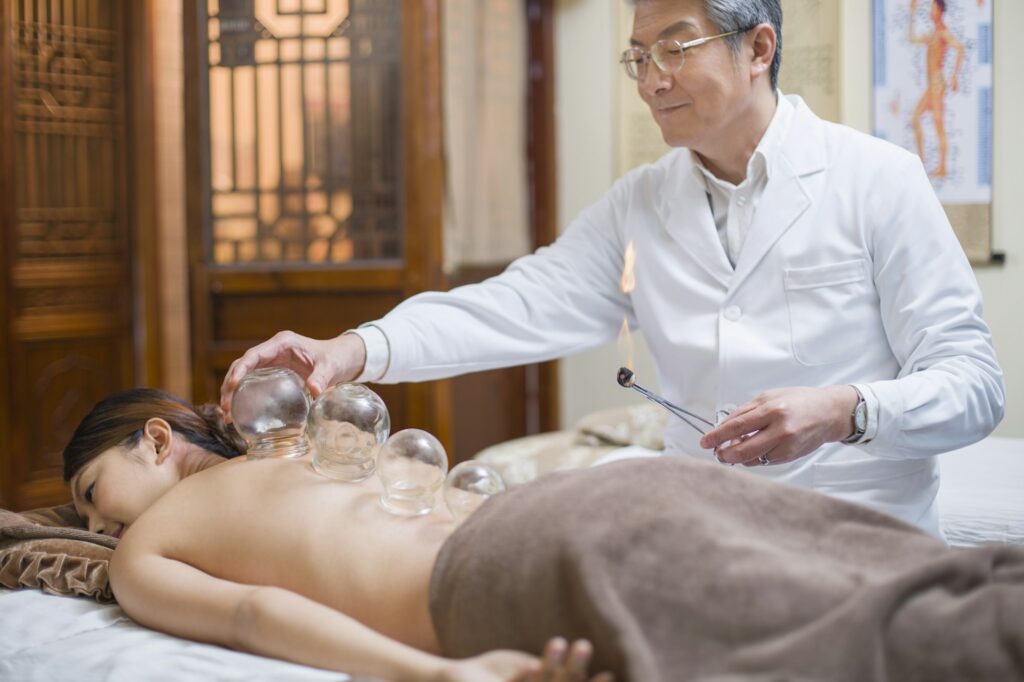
7 220
141 168
543 181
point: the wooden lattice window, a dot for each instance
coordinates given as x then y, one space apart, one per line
303 109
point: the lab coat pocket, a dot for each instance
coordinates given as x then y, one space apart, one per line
826 304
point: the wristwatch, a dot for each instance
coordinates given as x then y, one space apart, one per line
860 419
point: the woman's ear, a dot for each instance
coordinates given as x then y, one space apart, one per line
162 435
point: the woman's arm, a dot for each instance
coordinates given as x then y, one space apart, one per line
174 597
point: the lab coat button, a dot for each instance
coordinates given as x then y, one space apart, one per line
733 313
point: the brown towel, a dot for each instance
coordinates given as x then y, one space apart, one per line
37 550
682 570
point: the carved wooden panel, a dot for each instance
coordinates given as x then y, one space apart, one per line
67 282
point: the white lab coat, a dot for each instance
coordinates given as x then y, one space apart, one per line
850 274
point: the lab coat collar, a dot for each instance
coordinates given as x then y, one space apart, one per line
786 196
688 216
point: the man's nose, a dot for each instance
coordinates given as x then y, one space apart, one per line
655 81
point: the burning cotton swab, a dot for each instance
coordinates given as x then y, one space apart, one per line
627 379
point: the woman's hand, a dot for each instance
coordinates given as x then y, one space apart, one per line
561 663
321 364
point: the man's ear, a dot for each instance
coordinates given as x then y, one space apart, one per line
763 48
162 436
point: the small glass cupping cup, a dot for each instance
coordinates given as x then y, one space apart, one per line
348 424
269 410
412 465
468 485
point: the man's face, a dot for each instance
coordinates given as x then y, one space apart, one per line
697 102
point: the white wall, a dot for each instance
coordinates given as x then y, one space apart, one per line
585 55
585 49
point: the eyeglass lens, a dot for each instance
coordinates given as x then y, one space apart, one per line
667 55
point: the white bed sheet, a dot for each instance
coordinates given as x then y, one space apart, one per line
46 638
981 498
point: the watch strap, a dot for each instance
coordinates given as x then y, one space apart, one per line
858 430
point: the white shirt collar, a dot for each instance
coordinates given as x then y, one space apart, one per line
759 167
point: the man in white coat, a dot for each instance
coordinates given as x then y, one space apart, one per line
793 273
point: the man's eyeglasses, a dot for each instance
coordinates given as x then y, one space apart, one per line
667 54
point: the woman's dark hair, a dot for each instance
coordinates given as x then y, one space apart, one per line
120 418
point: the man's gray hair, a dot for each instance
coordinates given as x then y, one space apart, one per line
736 15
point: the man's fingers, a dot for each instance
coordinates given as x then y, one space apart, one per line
320 379
236 372
739 411
284 349
734 428
749 450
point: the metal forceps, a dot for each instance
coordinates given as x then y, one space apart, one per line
626 379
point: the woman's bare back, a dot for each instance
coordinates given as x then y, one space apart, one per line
276 522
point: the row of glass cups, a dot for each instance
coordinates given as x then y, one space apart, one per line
350 430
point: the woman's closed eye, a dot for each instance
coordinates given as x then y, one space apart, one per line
88 492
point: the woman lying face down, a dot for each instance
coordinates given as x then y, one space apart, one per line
673 569
266 556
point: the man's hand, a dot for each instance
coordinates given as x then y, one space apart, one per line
561 663
783 425
321 364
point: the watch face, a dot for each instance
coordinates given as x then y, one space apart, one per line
860 417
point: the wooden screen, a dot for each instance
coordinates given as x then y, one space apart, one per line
66 286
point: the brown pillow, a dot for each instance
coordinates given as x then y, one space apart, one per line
37 551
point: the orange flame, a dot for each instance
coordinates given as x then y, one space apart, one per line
627 283
626 345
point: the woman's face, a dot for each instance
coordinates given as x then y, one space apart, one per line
113 490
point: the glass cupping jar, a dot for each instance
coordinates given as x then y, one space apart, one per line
348 424
269 410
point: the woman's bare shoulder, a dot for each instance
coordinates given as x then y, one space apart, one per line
195 504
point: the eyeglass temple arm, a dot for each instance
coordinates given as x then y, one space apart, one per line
700 41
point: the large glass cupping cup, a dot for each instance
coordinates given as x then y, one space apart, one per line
412 466
469 485
269 410
348 424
